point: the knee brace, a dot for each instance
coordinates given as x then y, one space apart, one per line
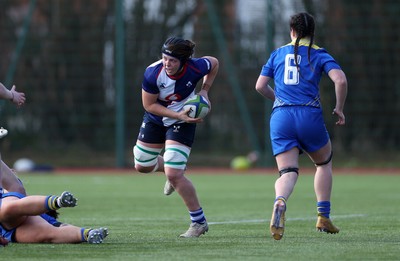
176 156
287 170
326 161
145 156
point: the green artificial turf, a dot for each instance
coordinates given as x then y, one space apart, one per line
144 224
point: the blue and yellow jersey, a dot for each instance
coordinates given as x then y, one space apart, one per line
298 86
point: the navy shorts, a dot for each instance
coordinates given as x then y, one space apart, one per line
297 126
155 133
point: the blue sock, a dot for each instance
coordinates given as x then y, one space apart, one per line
197 216
324 208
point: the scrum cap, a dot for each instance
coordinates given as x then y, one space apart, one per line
178 48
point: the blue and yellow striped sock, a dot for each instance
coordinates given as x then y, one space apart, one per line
51 203
280 198
85 234
197 216
324 208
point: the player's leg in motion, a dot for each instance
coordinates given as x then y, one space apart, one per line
283 187
148 160
287 163
147 157
168 188
175 160
323 187
277 224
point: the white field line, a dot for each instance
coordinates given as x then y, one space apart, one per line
244 221
288 219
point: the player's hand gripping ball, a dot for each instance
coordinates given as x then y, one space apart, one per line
198 107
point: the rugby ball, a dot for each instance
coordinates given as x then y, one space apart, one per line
198 107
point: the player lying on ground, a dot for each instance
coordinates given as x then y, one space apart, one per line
11 182
33 219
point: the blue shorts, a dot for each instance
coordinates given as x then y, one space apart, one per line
151 132
297 126
9 234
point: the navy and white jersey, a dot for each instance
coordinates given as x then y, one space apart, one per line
173 91
295 86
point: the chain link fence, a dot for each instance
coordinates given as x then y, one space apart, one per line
62 55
